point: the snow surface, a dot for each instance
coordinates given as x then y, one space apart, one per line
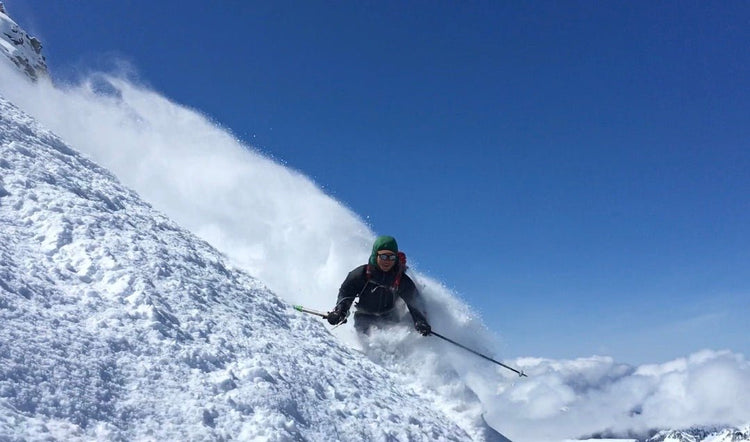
119 324
122 323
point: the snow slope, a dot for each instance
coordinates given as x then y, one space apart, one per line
118 324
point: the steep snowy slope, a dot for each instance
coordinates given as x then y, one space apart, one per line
118 324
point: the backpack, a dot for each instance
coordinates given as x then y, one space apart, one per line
401 269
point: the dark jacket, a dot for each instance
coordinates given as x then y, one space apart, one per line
376 295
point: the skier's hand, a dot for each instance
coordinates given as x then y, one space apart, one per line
334 317
423 328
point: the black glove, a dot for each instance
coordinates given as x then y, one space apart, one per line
423 328
335 317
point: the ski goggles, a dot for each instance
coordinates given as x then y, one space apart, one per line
387 256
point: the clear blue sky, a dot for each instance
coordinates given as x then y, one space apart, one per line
576 169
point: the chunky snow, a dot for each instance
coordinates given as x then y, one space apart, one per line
119 324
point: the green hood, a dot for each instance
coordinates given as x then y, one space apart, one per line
382 243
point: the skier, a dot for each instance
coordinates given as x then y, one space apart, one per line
378 285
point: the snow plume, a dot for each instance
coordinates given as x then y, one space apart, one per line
276 225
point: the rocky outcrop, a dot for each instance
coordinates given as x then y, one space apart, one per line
23 50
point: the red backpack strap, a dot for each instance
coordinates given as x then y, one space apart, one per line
401 269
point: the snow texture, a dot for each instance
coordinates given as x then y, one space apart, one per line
118 324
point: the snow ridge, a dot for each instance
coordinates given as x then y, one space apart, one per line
118 324
726 434
22 49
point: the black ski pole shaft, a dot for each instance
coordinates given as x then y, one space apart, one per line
520 373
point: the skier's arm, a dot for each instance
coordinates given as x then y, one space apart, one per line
410 294
350 289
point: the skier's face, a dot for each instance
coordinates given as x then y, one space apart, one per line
386 260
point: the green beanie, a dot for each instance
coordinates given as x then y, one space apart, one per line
383 243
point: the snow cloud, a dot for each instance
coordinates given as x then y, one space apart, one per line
595 396
278 225
267 218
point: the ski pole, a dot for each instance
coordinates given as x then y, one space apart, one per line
520 373
299 308
323 315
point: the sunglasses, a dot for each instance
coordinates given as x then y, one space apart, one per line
387 256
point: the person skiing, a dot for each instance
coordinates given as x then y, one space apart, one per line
378 285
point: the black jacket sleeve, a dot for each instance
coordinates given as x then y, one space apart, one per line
410 294
350 288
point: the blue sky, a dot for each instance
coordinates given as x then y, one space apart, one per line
571 169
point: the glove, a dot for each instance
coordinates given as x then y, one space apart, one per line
335 317
423 328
